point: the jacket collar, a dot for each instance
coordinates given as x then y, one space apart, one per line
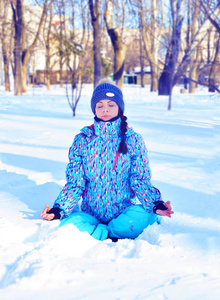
100 120
106 129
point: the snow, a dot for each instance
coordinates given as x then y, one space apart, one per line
179 259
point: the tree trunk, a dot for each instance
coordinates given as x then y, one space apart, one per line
166 79
26 52
194 71
47 71
61 71
94 11
61 43
47 42
118 46
154 78
142 63
96 52
24 77
154 46
192 75
6 63
6 70
5 46
151 37
18 24
213 75
119 56
195 56
150 56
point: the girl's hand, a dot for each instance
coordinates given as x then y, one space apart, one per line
165 213
45 214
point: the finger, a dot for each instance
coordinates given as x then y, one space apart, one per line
169 213
43 214
47 207
45 210
169 208
164 213
160 212
167 204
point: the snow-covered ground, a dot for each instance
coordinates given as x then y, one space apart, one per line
179 259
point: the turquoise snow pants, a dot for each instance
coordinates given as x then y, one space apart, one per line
129 224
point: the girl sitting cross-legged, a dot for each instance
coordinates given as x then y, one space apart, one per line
108 169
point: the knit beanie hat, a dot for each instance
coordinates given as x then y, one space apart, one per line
105 91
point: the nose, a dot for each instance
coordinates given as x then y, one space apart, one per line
105 109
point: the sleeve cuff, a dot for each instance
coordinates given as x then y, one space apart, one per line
159 205
56 211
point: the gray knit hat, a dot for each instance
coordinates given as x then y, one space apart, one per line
106 91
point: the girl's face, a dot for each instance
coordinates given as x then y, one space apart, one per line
106 110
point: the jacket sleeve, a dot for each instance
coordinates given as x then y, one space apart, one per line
140 178
75 185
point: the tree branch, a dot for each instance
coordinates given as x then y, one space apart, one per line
214 23
203 84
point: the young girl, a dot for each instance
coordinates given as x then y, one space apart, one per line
108 169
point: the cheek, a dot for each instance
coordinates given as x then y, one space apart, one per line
96 111
116 110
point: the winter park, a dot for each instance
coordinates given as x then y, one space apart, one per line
129 167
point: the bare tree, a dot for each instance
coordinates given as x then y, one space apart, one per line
50 39
151 33
215 67
115 34
208 7
193 65
26 52
22 52
75 48
174 68
6 40
75 74
167 76
198 38
142 61
61 7
17 9
48 50
95 18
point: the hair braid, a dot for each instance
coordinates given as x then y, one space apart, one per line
122 146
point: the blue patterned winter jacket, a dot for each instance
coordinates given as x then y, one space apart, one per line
106 181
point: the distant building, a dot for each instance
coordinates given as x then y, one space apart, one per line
147 75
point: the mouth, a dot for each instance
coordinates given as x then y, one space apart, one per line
106 116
